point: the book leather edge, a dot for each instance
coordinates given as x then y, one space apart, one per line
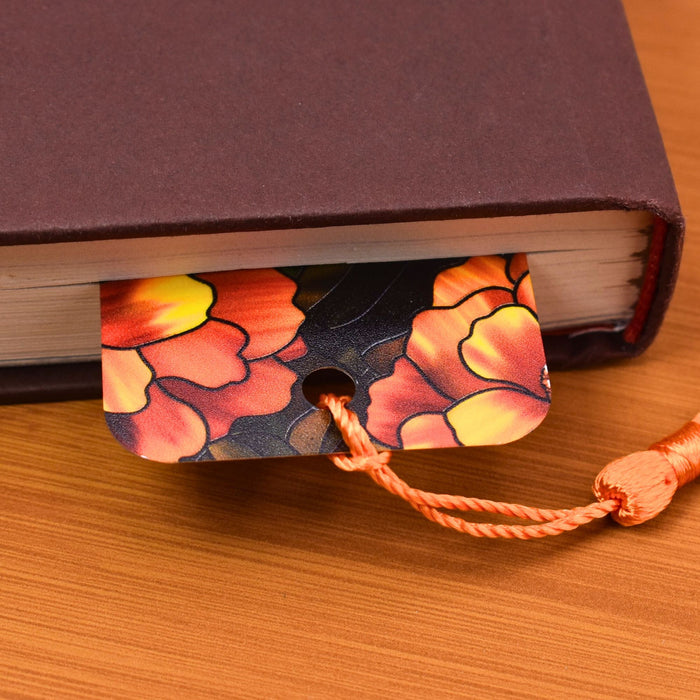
53 382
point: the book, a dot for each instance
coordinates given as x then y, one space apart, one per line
192 137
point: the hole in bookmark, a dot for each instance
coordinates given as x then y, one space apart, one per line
327 380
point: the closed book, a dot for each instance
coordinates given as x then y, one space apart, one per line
181 137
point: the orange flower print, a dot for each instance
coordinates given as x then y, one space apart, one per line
183 356
473 371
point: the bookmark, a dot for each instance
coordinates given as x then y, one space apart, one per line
436 353
228 365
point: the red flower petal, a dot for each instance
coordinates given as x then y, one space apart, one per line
266 390
208 355
392 399
427 430
517 266
141 311
437 334
452 285
525 294
165 431
496 416
507 346
296 349
260 301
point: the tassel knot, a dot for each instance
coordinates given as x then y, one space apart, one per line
644 482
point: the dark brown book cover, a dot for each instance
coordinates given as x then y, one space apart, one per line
129 120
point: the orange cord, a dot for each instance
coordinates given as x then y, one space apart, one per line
632 489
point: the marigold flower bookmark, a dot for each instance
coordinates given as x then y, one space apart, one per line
434 353
224 365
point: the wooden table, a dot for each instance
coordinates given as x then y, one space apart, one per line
120 577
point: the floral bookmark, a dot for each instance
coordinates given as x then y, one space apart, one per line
218 366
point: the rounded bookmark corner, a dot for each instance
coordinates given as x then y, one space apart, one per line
150 443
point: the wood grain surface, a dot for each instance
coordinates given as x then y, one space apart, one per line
288 578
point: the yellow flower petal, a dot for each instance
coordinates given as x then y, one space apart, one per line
427 430
180 303
124 381
507 346
141 311
434 345
496 416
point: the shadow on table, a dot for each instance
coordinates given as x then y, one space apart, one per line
308 504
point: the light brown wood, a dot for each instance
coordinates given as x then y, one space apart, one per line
287 578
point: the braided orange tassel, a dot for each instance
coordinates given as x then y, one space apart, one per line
632 489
